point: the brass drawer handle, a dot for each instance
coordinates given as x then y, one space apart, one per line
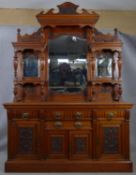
58 124
110 115
57 115
78 124
78 115
25 115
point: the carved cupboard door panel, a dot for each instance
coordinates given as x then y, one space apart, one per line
24 139
110 139
80 144
55 144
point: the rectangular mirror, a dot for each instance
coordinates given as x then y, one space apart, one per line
67 64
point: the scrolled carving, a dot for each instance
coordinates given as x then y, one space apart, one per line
119 66
34 37
51 18
100 37
18 92
15 66
103 38
67 8
117 92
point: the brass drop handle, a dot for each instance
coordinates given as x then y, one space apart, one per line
110 115
25 115
78 115
58 124
78 124
57 115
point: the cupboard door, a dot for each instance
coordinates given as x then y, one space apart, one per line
110 140
24 139
55 144
80 144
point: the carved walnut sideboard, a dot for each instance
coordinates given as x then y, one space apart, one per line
68 114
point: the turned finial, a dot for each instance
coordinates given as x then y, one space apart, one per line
116 33
18 34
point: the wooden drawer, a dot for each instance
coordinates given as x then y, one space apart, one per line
52 114
109 114
68 125
65 114
81 115
23 114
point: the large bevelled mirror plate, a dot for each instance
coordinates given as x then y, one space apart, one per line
67 64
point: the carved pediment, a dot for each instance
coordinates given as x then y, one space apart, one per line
34 37
101 37
69 14
68 8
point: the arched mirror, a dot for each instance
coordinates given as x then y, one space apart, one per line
67 64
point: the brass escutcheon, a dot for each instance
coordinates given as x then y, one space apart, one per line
110 115
58 124
78 115
25 115
78 124
57 115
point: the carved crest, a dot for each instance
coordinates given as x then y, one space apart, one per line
67 8
83 18
100 37
34 37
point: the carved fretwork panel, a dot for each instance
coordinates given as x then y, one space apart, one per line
111 140
25 140
80 146
56 144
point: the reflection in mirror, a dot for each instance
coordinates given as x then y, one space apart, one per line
104 61
67 64
116 68
30 63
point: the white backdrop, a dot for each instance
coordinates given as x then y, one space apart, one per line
8 35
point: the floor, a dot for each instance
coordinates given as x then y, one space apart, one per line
3 159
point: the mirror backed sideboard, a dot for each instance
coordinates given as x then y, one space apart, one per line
68 114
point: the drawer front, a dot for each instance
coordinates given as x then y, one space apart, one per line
109 114
65 114
52 114
68 125
81 115
23 114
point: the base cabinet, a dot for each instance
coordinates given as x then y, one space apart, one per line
23 140
46 137
112 134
